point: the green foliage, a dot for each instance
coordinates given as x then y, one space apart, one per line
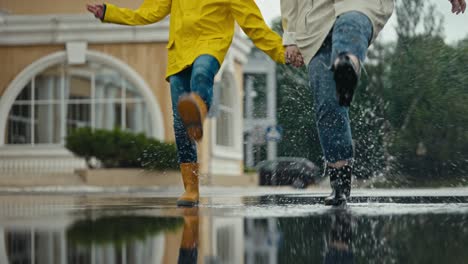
426 99
159 156
120 230
122 149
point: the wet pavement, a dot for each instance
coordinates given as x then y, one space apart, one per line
231 225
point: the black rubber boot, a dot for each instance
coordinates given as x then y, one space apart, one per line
346 78
340 182
339 248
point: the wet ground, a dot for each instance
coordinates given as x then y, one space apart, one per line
231 225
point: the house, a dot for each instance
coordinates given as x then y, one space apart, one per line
63 69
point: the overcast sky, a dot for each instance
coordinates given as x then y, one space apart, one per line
456 27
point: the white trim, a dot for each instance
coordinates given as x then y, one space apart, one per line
226 153
76 52
28 150
21 80
60 28
234 152
227 167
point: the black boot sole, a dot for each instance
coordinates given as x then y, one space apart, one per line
186 204
346 80
335 202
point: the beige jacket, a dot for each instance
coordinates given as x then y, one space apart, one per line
306 23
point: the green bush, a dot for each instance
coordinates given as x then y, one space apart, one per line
120 230
122 149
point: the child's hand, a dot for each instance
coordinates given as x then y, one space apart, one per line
97 10
458 6
294 56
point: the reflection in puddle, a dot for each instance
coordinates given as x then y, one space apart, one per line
337 236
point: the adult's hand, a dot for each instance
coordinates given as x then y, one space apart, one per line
458 6
294 56
97 10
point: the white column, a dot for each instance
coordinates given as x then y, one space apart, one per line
64 94
274 236
63 247
250 251
3 252
249 159
45 113
271 107
147 120
110 108
45 247
123 248
156 246
136 121
99 110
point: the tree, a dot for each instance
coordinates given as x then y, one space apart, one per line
426 96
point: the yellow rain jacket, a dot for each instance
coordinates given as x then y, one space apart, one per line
201 27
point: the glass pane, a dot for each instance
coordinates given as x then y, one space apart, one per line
79 88
131 91
47 88
48 84
224 134
78 115
18 244
225 98
104 93
47 246
78 253
260 153
47 124
25 94
108 83
148 124
135 117
108 115
18 129
259 96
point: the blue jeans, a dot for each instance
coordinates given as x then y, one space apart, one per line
197 78
351 33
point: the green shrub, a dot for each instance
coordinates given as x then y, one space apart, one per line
120 230
159 155
122 149
80 142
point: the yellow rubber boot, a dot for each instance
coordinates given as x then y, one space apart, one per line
192 110
190 234
190 178
188 252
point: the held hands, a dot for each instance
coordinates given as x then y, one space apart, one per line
294 56
97 10
458 6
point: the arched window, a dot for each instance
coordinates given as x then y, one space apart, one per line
64 97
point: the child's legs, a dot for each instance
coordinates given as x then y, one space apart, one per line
204 70
186 148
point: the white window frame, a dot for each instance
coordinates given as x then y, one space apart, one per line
233 152
66 74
